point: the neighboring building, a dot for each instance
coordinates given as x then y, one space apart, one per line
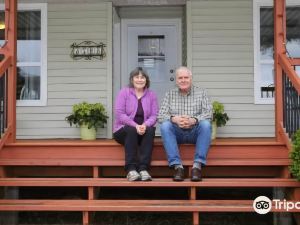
227 44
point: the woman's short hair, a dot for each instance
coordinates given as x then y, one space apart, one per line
137 71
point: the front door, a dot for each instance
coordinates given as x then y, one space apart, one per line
156 47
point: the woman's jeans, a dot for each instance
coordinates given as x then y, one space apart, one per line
172 135
138 148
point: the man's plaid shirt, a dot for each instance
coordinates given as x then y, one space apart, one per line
195 104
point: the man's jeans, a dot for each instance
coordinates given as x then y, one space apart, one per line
173 135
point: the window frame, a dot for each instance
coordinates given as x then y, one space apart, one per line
257 4
43 63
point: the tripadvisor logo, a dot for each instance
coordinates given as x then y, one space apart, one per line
262 205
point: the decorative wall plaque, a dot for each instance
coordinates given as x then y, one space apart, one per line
88 50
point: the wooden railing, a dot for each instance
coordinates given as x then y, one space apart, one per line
287 82
290 96
5 127
8 52
3 103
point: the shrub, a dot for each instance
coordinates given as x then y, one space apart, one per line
295 156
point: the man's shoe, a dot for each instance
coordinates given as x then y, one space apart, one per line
196 174
179 174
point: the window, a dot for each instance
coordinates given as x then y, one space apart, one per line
264 45
31 54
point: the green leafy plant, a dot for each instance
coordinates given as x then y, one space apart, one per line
219 115
295 156
92 115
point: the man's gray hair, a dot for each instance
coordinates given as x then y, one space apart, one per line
183 68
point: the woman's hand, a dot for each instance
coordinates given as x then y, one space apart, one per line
141 129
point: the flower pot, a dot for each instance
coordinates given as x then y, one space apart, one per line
213 130
86 133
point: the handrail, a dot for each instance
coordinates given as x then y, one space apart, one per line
290 72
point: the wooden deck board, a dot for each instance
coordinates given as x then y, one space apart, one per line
112 162
127 205
156 182
132 205
157 141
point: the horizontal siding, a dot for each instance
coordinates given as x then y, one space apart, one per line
69 81
68 132
150 12
222 62
70 101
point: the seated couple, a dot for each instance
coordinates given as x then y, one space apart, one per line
184 115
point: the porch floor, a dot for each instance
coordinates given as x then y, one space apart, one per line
101 142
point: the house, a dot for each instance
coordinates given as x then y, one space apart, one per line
227 44
70 51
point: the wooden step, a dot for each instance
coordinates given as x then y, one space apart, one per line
132 205
117 162
110 150
157 142
156 182
128 205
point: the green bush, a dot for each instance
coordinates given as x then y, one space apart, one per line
219 115
295 156
92 115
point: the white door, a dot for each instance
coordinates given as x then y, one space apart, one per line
157 49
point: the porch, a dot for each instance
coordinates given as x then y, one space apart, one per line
235 164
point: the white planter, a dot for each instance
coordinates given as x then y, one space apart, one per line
213 130
86 133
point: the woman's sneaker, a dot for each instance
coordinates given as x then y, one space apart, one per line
133 175
145 176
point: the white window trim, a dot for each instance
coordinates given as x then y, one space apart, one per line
256 34
43 64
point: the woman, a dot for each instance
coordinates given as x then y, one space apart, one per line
136 110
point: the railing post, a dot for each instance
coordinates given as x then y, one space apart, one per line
11 37
279 48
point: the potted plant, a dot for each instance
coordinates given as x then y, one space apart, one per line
89 117
295 156
220 118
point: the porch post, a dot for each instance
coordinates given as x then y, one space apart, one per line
11 38
279 48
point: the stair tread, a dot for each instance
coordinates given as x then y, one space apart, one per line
156 182
118 162
132 205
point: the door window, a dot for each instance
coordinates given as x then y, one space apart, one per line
151 55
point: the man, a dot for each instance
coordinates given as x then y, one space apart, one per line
185 117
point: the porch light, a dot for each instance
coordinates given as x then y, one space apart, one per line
2 26
88 50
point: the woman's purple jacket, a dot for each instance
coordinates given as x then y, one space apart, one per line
126 106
